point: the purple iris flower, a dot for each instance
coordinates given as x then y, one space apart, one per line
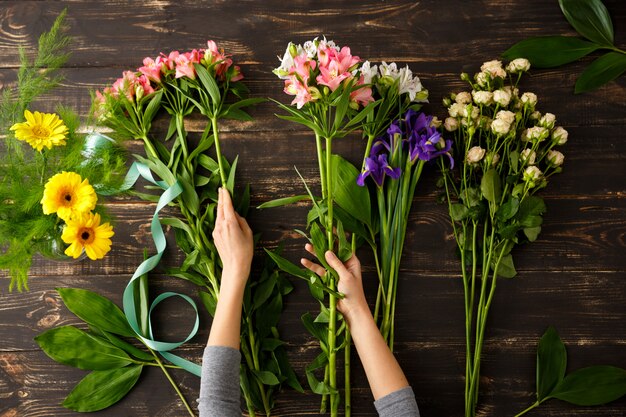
378 167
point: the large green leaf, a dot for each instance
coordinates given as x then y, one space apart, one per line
551 363
590 18
491 186
288 266
101 389
71 346
208 82
284 201
347 193
96 310
550 51
266 377
601 71
594 385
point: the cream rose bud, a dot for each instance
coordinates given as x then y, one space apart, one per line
463 98
482 78
456 109
547 120
475 154
502 97
494 68
528 156
518 65
483 97
451 124
435 122
559 136
535 115
536 133
555 158
500 127
493 158
529 99
470 111
532 174
505 115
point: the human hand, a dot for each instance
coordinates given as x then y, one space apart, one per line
350 283
233 239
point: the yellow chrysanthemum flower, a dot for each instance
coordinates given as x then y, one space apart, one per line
84 232
41 130
67 195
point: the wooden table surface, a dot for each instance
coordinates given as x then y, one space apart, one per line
572 277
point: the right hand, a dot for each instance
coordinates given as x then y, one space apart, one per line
350 282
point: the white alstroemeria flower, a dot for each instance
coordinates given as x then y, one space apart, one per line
555 158
475 155
463 98
547 120
529 99
494 68
388 70
502 97
518 65
528 156
500 127
409 84
311 48
559 136
369 72
451 124
506 116
482 97
324 43
286 62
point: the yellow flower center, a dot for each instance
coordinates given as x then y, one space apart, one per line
86 235
41 132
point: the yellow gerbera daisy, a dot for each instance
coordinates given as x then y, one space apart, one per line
67 194
41 130
84 232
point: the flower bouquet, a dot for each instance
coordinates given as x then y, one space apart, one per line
202 82
506 151
46 167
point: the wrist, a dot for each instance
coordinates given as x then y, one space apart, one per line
359 315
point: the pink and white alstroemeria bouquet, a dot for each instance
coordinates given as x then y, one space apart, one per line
331 98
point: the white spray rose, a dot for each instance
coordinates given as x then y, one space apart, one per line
456 109
547 120
529 99
559 136
502 97
463 98
470 111
451 124
475 154
536 133
555 158
482 78
505 115
528 156
483 97
532 174
535 115
493 158
500 127
518 65
494 68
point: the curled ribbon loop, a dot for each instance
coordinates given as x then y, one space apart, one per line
169 194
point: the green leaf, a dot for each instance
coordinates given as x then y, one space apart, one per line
177 223
506 268
71 346
152 108
458 212
531 206
101 389
209 302
491 186
288 266
551 363
508 209
208 82
550 51
237 114
347 193
125 346
318 330
590 18
279 202
262 292
230 182
266 377
601 71
96 310
594 385
208 163
270 344
532 233
317 386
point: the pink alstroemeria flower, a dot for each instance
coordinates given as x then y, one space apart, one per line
152 69
144 82
302 67
294 87
184 67
335 66
237 75
363 95
213 55
125 85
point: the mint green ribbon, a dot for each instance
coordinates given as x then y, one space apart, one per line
95 140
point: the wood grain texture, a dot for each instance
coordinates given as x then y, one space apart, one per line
573 277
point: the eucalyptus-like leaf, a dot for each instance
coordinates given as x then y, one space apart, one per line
601 71
101 389
551 363
550 51
590 18
594 385
96 310
71 346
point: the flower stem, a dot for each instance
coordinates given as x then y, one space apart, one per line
257 367
534 405
180 394
218 151
347 394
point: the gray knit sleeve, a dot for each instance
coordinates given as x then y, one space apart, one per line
400 403
219 384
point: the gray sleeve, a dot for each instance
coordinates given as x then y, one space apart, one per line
400 403
219 384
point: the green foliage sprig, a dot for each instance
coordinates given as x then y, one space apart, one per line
593 385
592 21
